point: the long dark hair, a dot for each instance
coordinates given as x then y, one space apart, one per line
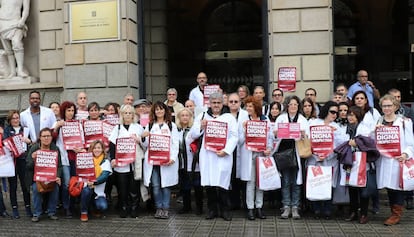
366 107
167 114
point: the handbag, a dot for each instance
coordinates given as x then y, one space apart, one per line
286 159
75 186
45 187
304 148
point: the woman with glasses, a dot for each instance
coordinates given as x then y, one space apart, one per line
291 178
14 128
44 143
124 176
327 116
388 167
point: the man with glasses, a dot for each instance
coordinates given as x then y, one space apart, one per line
311 93
277 96
196 94
36 117
363 84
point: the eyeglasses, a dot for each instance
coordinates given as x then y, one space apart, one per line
276 95
46 136
216 102
309 94
171 94
333 112
386 106
233 101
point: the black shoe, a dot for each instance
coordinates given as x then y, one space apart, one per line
211 215
123 212
260 214
317 215
409 204
250 214
199 211
227 216
352 217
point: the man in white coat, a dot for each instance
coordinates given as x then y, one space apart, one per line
216 166
196 94
36 117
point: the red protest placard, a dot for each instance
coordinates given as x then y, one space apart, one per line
159 149
16 145
85 168
287 78
215 135
321 138
46 164
107 130
288 130
93 130
256 135
388 140
125 151
144 120
208 90
112 119
81 115
71 134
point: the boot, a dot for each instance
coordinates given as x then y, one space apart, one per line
15 213
286 213
28 211
186 202
295 213
396 212
250 214
134 205
198 191
352 217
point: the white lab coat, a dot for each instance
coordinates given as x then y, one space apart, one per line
47 120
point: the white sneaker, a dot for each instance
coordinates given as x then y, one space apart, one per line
295 213
286 213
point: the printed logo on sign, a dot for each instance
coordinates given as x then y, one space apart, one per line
267 163
316 171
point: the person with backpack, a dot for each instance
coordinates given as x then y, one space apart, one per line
189 170
164 174
216 166
254 196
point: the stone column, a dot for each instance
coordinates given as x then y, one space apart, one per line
301 35
105 70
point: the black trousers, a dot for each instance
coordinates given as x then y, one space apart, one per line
217 199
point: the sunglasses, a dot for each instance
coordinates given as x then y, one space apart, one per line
233 101
333 112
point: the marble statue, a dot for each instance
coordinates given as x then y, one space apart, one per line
13 15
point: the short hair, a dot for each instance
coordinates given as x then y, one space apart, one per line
126 108
277 89
10 115
42 131
34 92
390 98
115 105
161 105
177 117
172 90
128 94
259 87
257 105
93 104
393 90
339 85
338 93
357 111
288 99
191 101
96 142
366 108
64 106
323 113
311 89
54 102
215 96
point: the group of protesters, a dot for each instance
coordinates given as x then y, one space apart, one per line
235 147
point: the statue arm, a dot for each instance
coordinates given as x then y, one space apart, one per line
25 13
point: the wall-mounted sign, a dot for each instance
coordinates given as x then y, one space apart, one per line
94 21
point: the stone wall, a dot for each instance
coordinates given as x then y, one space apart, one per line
300 35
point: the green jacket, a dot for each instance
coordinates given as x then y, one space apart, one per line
30 163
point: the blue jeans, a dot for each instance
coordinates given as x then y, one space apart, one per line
290 190
324 207
86 195
38 200
161 195
65 186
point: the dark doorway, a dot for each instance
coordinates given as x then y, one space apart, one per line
222 38
376 36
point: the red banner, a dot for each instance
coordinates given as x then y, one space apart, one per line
112 119
16 145
288 130
85 168
107 130
93 130
215 135
158 149
46 164
388 140
321 137
287 78
125 151
256 135
208 90
71 134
